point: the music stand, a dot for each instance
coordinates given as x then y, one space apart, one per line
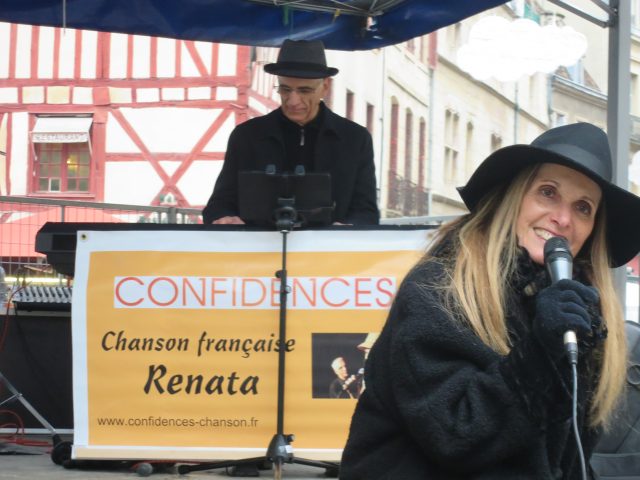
284 201
262 195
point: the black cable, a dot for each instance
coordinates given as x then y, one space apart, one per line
574 415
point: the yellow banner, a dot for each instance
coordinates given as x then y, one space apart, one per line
176 338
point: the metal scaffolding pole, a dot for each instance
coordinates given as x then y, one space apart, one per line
618 121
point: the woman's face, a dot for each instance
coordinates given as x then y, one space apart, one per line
561 202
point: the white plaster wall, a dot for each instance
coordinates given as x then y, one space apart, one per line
189 68
199 93
9 95
173 94
204 49
218 142
23 52
147 94
166 65
118 60
170 166
45 53
83 95
141 56
67 53
3 157
4 42
197 182
259 106
134 183
117 140
226 93
227 59
19 153
89 54
170 129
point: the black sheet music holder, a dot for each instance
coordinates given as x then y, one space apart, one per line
262 196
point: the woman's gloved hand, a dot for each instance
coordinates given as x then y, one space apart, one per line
565 305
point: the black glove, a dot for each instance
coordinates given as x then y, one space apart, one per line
565 305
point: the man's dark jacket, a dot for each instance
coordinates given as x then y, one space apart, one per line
343 148
442 405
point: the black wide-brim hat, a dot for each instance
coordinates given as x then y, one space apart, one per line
583 147
301 59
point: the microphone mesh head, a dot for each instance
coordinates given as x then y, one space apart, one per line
556 247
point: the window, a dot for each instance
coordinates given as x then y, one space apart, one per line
370 117
328 98
635 15
576 72
422 152
450 165
349 106
393 189
411 45
424 49
517 6
496 141
408 143
62 151
62 167
451 120
468 151
454 37
393 141
558 119
634 107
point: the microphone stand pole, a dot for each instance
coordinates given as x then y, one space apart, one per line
279 451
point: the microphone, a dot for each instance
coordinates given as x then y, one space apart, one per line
559 263
352 379
348 382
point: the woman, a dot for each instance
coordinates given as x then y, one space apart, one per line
469 379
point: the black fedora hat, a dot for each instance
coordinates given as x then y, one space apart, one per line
301 59
583 147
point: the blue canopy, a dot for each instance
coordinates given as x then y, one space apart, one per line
341 25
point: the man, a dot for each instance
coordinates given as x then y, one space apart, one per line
344 385
303 131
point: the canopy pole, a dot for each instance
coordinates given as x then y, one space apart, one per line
618 121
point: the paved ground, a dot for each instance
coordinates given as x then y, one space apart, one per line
34 462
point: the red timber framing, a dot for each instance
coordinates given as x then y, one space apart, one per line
101 103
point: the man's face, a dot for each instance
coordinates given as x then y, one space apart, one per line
300 97
340 369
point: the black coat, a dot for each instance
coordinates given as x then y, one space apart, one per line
343 148
440 404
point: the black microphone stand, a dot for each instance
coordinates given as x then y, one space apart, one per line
279 451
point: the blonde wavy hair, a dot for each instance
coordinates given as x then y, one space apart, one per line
485 256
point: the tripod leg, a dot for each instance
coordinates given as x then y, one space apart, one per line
277 469
243 470
17 395
61 451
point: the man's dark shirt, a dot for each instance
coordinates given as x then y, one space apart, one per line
300 141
